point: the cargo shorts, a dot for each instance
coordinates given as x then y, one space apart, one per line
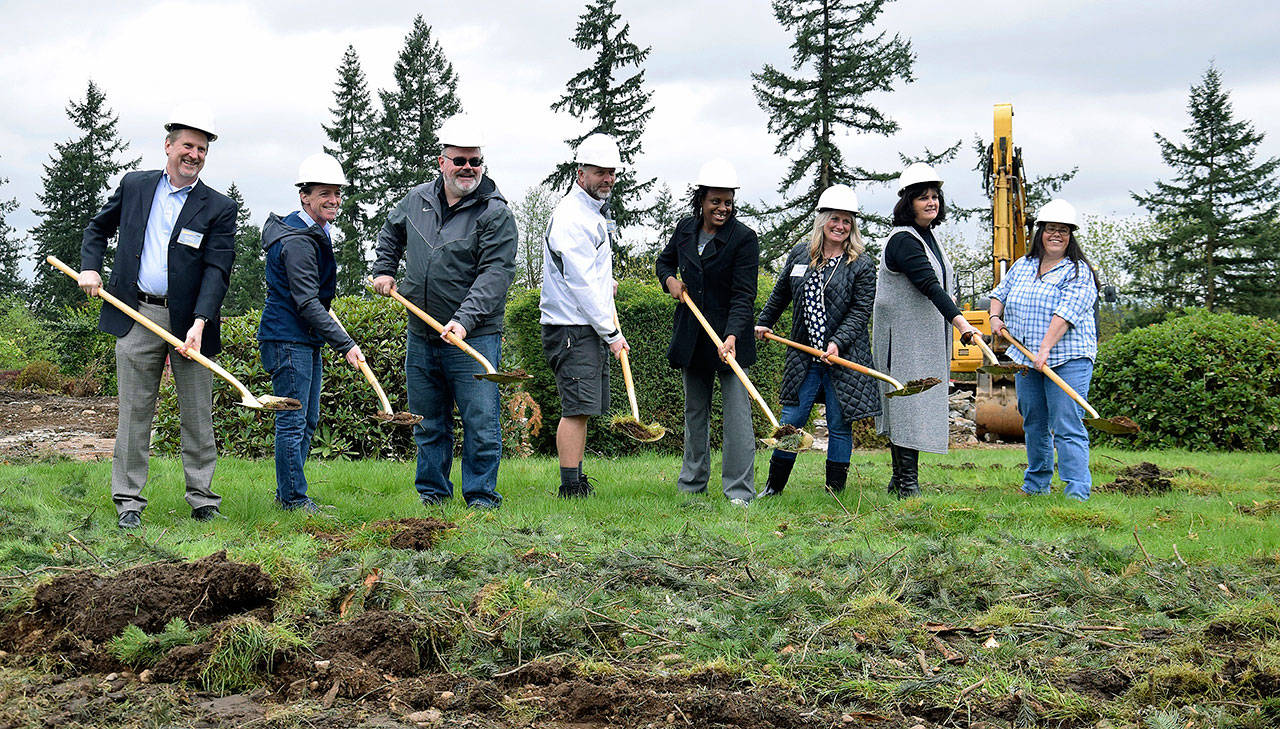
580 360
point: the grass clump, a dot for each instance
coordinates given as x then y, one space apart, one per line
1002 615
875 615
1178 682
1258 619
244 649
1080 517
137 648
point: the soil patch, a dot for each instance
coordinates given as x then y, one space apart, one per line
389 641
1142 480
1100 685
416 533
203 592
37 424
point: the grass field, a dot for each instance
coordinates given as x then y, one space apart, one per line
970 604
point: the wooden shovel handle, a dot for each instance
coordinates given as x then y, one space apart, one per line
1048 372
626 374
159 331
368 373
977 339
733 363
836 360
451 339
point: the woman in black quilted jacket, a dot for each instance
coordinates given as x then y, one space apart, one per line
832 283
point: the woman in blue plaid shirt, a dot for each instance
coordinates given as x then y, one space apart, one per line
1046 300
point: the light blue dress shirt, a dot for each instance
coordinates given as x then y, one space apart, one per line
307 219
153 271
1031 301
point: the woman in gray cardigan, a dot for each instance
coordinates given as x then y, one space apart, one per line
915 310
832 282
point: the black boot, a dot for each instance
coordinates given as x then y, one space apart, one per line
779 472
837 476
908 473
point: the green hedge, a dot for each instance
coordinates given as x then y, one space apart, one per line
646 313
1200 381
346 401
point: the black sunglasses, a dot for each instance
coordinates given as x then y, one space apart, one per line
464 161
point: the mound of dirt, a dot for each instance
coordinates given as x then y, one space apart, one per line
419 534
1143 479
98 607
388 641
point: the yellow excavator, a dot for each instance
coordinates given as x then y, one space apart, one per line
995 400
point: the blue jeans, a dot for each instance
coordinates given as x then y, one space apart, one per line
839 432
438 375
1051 421
296 371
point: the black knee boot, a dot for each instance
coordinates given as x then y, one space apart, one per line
837 476
779 472
908 472
894 462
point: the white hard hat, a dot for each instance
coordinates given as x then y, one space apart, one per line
321 169
599 150
1058 211
915 174
718 173
192 116
460 130
838 197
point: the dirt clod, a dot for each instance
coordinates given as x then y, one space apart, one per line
416 533
98 607
1142 480
923 383
389 641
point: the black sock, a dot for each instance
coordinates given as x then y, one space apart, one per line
569 476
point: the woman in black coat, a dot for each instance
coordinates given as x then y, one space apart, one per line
715 260
833 284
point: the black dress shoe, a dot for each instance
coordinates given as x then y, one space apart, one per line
206 513
129 520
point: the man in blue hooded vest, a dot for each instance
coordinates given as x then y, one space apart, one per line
301 283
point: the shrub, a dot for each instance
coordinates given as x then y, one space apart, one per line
347 402
646 312
81 349
23 338
1200 381
40 375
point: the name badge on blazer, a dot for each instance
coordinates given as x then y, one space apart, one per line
800 269
190 238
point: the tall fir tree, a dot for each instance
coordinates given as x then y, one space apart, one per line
351 135
665 212
425 95
609 101
1219 249
838 61
12 284
75 187
248 287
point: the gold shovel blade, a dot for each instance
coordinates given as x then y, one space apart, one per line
504 378
1003 369
1117 425
397 418
272 402
915 387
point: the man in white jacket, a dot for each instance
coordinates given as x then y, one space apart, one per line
579 327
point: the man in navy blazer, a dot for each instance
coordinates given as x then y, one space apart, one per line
173 264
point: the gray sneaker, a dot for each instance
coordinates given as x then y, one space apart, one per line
740 502
129 520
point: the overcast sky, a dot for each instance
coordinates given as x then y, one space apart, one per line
1090 82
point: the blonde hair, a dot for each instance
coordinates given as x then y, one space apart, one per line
853 245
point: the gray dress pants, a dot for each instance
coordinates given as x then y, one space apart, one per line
140 358
738 467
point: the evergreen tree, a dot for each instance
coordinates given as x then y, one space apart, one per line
608 101
75 187
12 284
663 216
1219 249
837 62
248 288
406 146
351 134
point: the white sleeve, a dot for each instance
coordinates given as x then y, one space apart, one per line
588 287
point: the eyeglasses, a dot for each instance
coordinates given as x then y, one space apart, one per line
464 161
1057 232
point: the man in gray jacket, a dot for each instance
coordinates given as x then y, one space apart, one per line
458 240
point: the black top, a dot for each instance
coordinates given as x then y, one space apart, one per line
903 255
